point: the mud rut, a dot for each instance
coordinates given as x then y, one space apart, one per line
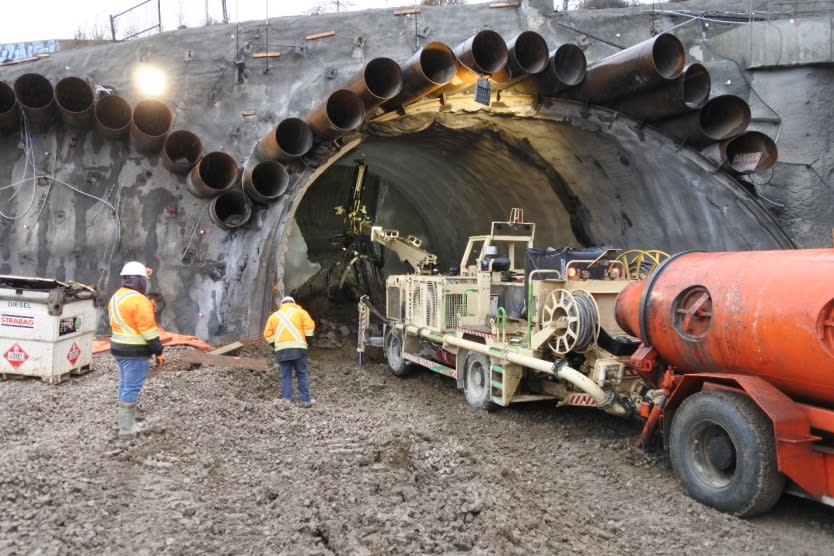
379 465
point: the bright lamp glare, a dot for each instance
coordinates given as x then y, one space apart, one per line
150 80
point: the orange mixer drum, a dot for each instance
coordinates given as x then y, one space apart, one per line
763 313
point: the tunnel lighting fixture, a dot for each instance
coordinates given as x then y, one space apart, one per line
149 79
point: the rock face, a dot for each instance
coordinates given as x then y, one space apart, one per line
82 200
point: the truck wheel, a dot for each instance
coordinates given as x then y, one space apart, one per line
476 378
394 354
724 454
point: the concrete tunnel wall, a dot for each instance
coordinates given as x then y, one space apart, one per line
584 174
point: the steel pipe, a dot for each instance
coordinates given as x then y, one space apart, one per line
566 68
689 91
113 116
212 175
380 80
290 139
341 112
747 153
9 109
230 209
75 100
481 55
526 55
643 66
36 97
181 151
151 122
266 181
428 69
720 118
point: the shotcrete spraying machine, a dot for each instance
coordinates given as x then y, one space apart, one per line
729 366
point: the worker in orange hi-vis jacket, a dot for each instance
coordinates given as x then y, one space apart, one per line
287 331
135 339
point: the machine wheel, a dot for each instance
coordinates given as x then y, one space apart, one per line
724 454
476 376
394 354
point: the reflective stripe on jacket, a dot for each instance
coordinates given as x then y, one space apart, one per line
131 318
289 327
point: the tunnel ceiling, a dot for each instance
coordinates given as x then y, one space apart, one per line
583 177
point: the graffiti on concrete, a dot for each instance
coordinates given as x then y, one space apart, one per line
22 50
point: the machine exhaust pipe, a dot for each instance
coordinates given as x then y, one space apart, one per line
212 175
290 139
113 116
526 55
181 151
75 100
482 54
36 97
151 123
428 69
9 109
566 67
747 153
379 81
720 118
689 91
266 181
230 209
643 66
340 113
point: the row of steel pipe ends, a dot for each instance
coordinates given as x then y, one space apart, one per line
181 151
75 100
379 81
744 313
213 174
643 66
428 69
36 97
483 54
151 123
9 109
689 91
290 139
527 54
721 118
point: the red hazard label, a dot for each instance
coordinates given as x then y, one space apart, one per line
16 356
73 354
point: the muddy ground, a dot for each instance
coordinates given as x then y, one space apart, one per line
379 465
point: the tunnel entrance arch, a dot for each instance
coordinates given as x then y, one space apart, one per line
586 175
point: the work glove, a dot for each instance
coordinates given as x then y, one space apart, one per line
160 360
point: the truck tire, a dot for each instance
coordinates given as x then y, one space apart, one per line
724 454
476 376
394 354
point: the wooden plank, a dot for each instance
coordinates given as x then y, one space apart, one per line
320 35
226 349
247 113
270 54
22 60
407 11
505 5
223 360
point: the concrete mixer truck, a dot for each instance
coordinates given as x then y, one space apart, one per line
742 347
730 366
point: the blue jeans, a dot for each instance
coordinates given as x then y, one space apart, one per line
132 375
286 367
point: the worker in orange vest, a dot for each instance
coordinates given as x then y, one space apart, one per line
135 339
287 330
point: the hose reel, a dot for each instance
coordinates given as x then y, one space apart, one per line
574 318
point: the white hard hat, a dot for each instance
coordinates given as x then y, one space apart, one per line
134 268
287 299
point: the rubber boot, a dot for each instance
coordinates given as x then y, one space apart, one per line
140 417
127 420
